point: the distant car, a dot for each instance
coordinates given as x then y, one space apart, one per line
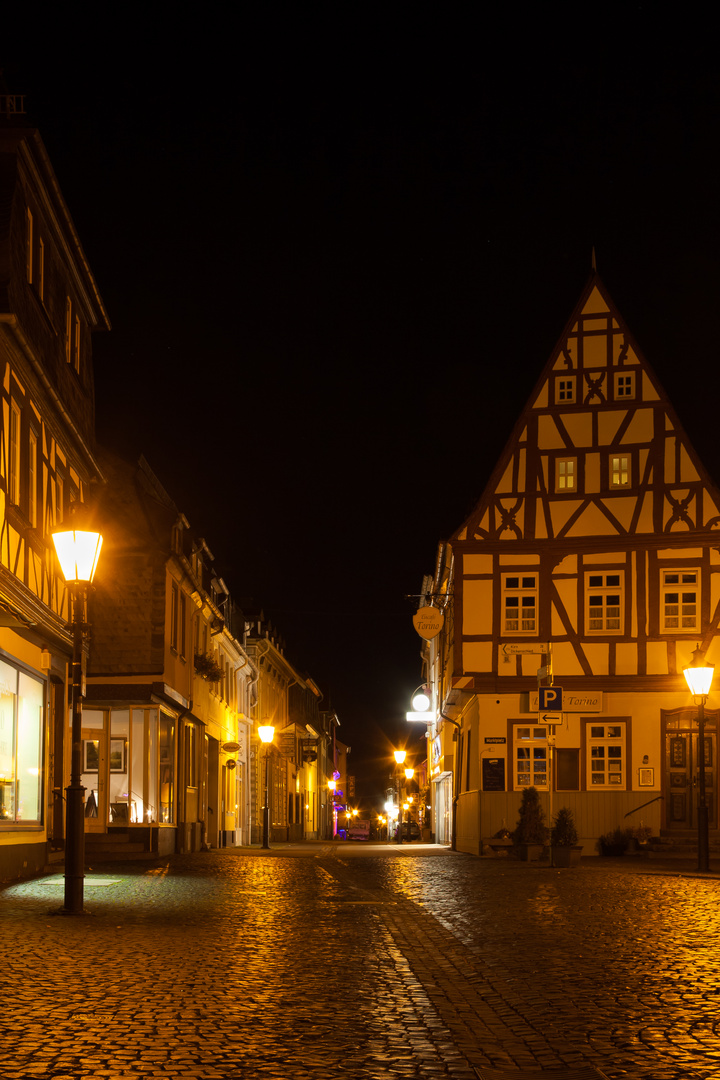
410 830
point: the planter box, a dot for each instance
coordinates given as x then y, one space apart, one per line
529 852
566 856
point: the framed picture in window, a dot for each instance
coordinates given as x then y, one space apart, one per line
118 755
91 755
646 777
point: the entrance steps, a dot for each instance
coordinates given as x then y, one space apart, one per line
681 844
114 845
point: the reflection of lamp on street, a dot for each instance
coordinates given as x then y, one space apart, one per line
699 677
267 734
78 551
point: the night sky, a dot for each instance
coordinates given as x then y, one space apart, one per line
337 245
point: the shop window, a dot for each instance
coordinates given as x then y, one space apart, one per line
21 738
606 755
519 601
604 602
679 600
530 753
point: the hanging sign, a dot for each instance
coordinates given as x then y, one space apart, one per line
428 621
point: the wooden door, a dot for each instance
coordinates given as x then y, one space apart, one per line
682 775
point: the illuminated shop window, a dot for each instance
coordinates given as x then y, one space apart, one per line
22 700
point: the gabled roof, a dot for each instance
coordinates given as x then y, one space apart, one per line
597 402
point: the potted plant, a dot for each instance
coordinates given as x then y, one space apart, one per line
530 835
207 668
614 842
564 839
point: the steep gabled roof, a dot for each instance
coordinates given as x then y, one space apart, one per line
598 450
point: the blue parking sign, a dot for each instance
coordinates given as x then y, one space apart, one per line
550 697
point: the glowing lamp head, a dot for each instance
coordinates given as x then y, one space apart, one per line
331 785
421 701
699 675
400 756
266 733
409 773
78 551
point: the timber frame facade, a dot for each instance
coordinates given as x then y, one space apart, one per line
593 557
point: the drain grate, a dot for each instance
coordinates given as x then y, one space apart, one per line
582 1072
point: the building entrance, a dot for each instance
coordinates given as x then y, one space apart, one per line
684 757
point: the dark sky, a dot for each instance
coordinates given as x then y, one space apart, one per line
337 247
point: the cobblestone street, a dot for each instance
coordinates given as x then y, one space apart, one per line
369 962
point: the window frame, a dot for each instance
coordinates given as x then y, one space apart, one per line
534 741
605 590
606 741
522 591
628 374
669 587
561 489
618 485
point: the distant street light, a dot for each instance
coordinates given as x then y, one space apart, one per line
698 676
78 551
267 734
400 756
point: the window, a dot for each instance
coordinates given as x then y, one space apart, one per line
59 499
604 602
32 479
191 756
566 474
183 620
619 471
13 485
76 345
174 608
29 240
606 755
40 282
565 388
21 740
679 601
519 600
625 384
531 757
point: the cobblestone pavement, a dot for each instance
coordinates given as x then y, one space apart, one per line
362 961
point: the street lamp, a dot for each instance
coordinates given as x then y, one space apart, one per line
266 733
400 756
78 551
420 706
699 677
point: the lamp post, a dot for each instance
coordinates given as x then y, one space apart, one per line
331 790
699 677
78 551
400 756
266 733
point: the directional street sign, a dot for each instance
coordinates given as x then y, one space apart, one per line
551 718
550 697
510 648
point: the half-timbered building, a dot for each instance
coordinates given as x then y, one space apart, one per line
49 307
592 560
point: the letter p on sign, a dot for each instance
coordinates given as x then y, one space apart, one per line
550 697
